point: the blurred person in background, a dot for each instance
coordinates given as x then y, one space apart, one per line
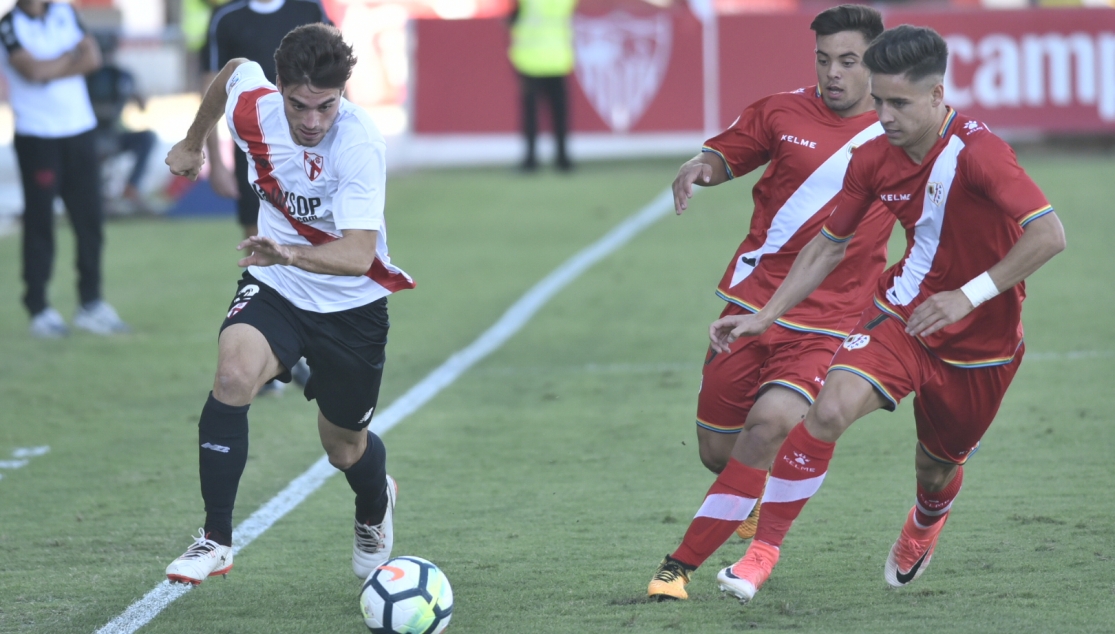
252 30
111 88
46 53
542 53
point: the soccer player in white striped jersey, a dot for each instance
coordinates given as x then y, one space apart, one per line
317 280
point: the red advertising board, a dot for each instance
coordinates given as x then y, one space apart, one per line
1041 70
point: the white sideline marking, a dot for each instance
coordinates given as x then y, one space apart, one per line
141 612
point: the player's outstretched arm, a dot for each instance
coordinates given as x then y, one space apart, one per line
705 169
186 157
352 254
1042 239
810 268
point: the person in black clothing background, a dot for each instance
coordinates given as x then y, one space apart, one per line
252 29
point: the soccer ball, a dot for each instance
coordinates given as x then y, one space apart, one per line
406 595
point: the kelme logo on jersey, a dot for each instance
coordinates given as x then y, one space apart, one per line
621 61
855 342
314 164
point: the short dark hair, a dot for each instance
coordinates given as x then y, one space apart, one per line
849 17
915 51
316 55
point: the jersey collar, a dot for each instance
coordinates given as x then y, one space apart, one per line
948 122
269 7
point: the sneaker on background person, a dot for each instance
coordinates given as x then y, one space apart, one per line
99 318
300 373
48 324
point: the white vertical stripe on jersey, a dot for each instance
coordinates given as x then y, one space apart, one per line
927 231
819 188
720 506
780 490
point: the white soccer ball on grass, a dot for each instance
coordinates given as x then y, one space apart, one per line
406 595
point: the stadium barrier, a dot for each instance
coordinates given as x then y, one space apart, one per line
652 81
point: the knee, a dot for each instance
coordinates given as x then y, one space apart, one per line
714 451
234 385
827 419
343 454
935 477
768 431
713 460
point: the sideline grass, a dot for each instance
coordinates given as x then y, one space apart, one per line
550 480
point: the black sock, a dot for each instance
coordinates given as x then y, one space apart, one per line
223 439
368 479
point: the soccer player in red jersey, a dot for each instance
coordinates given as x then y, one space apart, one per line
750 399
946 320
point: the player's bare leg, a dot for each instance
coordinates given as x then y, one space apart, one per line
774 414
245 362
361 456
796 474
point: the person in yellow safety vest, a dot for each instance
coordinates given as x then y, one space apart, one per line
542 53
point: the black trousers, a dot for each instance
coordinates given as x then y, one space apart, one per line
65 167
553 90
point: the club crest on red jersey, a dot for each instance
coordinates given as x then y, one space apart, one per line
935 192
314 164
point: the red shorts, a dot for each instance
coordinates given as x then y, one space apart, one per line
731 383
953 407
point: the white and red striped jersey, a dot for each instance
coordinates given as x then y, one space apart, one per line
808 147
308 195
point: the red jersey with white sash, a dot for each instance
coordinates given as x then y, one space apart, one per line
808 147
963 209
310 194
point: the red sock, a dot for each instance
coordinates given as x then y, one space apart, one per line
729 501
932 506
797 473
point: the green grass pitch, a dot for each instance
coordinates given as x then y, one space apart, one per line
550 479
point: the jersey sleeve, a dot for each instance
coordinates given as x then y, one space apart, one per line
851 204
993 169
247 77
361 187
7 34
746 144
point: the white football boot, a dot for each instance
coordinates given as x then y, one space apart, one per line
100 319
206 558
372 547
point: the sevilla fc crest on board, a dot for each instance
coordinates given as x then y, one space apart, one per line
313 163
621 60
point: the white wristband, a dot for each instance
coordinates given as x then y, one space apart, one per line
980 289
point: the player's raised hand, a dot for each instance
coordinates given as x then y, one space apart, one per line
264 252
940 310
725 330
691 172
184 160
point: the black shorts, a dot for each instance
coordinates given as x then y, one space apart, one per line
345 349
247 205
